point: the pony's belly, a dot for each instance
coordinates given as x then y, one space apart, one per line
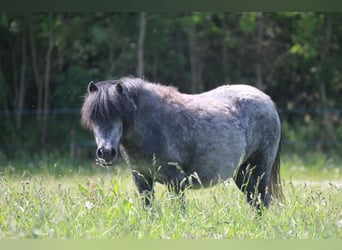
207 178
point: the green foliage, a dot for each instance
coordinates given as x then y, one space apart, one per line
3 19
247 22
295 53
99 34
305 37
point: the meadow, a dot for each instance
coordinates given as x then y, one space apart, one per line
53 197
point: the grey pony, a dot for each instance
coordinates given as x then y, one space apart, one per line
185 140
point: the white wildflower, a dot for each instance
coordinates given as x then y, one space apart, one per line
89 205
339 223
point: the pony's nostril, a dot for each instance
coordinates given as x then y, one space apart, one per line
99 152
107 154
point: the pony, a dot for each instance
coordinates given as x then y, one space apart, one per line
188 140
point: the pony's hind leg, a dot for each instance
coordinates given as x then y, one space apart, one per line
252 179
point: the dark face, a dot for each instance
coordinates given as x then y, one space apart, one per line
101 113
107 138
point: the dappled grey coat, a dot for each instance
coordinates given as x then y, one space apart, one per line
187 140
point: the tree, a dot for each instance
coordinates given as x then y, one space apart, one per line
142 32
47 59
22 83
46 107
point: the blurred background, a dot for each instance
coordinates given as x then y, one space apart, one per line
48 59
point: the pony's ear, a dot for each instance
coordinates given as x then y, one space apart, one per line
92 87
119 88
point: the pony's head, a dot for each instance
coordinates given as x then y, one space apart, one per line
105 112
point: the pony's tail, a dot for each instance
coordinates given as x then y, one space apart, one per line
275 188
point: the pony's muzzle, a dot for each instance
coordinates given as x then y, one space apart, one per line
106 154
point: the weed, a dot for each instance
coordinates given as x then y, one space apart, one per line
103 204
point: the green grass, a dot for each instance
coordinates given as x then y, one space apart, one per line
314 166
49 198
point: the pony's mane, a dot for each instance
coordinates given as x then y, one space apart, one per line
105 104
97 105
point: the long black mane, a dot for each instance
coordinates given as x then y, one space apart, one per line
106 103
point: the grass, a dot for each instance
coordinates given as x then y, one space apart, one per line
48 198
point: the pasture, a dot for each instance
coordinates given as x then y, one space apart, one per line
52 197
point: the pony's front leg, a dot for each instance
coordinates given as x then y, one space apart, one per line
177 185
145 187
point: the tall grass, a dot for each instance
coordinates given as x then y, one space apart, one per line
53 199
